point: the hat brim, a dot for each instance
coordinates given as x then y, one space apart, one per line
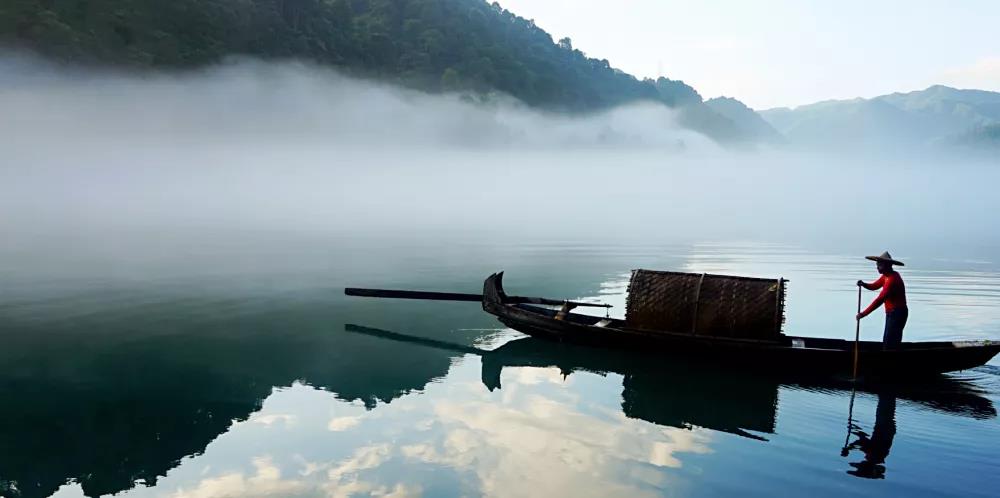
885 260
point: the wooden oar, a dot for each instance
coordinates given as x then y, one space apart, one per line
850 424
857 337
854 378
455 296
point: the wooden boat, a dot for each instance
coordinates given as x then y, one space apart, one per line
805 355
731 321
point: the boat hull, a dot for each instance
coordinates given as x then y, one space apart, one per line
808 356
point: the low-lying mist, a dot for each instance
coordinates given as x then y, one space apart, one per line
245 100
119 163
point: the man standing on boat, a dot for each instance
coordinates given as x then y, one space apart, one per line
893 295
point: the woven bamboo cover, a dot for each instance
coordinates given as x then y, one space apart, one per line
706 305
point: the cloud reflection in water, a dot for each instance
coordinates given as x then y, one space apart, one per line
539 435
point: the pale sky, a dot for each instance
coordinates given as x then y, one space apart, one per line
771 53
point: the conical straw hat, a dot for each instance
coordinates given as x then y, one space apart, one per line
886 257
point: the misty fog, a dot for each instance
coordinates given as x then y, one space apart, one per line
114 164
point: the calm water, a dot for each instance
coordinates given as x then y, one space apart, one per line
246 372
174 248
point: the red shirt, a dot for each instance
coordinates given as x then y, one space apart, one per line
893 293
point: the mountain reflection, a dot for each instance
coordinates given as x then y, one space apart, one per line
108 410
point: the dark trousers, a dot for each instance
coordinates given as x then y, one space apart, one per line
895 320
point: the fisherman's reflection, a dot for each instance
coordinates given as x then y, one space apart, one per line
876 446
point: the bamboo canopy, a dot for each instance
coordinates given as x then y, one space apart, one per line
706 305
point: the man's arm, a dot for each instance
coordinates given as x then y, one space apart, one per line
877 302
874 285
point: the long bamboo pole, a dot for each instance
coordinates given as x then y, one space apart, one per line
857 336
850 423
455 296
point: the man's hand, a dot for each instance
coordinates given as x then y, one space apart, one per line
861 283
859 316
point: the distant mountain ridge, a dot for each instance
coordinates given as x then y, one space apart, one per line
936 116
750 123
470 47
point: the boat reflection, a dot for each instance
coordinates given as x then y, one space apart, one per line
673 391
676 392
945 394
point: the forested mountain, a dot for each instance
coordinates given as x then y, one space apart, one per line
746 119
432 45
983 137
936 116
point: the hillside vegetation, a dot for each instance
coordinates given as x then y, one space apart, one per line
432 45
